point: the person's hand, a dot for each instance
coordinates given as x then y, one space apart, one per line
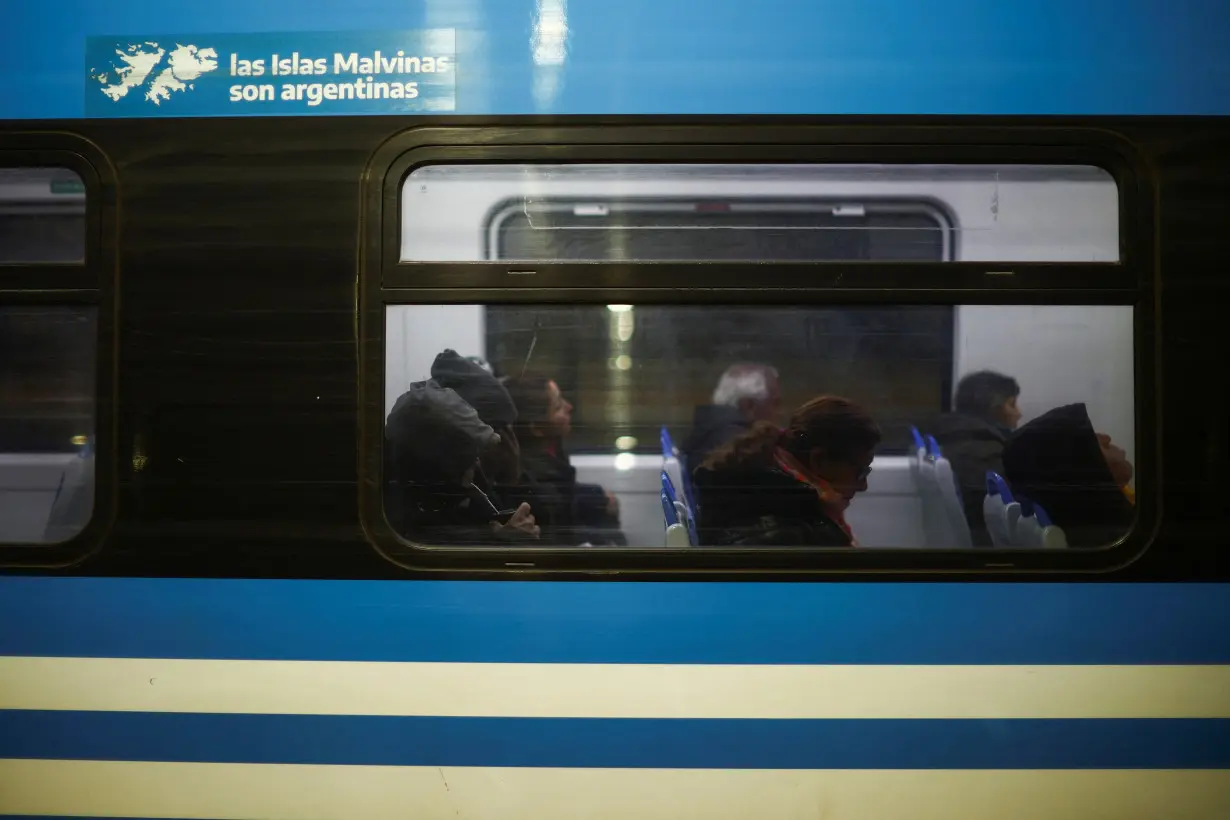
520 525
612 504
1116 460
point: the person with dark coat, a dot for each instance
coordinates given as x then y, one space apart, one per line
500 462
746 394
1078 476
791 487
432 444
569 511
973 438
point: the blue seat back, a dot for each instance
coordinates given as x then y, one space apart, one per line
680 511
1034 529
668 444
668 508
999 510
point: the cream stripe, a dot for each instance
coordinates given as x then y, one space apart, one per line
216 790
585 690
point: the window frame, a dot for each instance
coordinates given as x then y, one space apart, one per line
386 280
90 283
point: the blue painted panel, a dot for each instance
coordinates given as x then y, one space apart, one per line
785 623
721 56
617 743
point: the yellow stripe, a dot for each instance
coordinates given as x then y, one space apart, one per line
643 691
218 790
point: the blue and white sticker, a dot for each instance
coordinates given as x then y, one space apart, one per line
386 72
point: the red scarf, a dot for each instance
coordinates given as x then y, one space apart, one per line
834 505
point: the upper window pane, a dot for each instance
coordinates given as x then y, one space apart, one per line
42 216
47 377
786 213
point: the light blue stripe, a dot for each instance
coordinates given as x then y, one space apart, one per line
721 56
612 622
617 743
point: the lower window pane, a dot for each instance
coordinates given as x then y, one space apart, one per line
47 380
791 426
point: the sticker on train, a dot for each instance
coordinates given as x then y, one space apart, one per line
386 72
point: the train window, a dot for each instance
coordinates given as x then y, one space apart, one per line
749 212
47 422
42 216
562 407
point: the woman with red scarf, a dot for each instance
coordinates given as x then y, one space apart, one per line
791 487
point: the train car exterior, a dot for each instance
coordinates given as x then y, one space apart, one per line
223 624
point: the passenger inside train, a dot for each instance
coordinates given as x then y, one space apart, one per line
745 394
788 487
499 466
573 512
433 443
1078 476
973 438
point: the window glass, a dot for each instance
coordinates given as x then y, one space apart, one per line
784 232
634 369
42 216
47 381
749 212
592 386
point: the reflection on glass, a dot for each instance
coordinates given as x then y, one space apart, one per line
568 420
47 361
549 48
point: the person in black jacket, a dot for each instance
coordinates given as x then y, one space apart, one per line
1079 477
973 438
791 487
500 462
432 444
569 512
746 394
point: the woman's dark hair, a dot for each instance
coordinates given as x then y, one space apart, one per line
838 426
981 394
529 394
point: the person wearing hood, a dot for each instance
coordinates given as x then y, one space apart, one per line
746 394
791 487
973 437
571 512
433 440
1078 476
500 462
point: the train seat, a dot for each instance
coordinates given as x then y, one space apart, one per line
1034 529
999 510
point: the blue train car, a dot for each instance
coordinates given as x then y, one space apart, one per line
237 241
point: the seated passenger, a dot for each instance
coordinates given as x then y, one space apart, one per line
1078 476
791 487
973 437
746 394
569 512
500 462
432 444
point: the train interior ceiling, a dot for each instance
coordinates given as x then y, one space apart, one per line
632 371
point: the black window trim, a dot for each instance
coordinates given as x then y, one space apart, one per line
385 280
91 282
